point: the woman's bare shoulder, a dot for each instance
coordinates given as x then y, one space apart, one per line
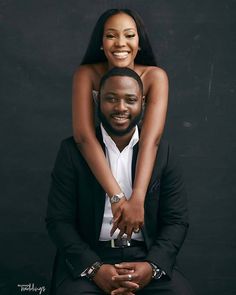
94 72
147 72
152 76
99 69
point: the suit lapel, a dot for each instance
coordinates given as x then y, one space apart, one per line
154 177
134 160
99 205
99 194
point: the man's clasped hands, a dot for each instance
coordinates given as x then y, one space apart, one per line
124 278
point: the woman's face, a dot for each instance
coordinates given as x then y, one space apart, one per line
120 40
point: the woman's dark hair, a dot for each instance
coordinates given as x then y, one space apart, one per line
94 54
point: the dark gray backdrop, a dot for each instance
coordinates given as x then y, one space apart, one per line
42 42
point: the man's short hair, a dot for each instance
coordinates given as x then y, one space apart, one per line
125 72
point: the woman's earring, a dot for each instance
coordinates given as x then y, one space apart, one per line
139 48
101 48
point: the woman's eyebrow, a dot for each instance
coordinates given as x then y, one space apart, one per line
127 29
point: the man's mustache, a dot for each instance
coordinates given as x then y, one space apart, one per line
121 114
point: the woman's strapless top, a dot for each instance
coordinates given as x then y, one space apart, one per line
95 96
95 100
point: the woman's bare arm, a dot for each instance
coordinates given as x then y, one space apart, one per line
152 129
84 130
156 82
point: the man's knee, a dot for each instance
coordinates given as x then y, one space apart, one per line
180 285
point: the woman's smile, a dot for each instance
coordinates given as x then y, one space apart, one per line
121 54
120 40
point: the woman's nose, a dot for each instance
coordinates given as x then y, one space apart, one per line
120 41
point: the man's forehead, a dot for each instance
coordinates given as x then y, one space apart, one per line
120 83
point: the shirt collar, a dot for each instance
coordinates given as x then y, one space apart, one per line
109 143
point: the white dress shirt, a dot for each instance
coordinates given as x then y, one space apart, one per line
121 166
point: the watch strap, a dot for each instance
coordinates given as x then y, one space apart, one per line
91 271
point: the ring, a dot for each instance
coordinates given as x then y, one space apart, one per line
136 230
129 277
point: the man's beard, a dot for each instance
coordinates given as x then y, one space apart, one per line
114 131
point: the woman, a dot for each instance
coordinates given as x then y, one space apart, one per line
119 39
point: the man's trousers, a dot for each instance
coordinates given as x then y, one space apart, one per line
178 285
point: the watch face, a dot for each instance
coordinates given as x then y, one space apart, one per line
115 199
158 274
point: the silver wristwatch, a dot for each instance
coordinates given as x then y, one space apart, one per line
117 197
91 271
157 273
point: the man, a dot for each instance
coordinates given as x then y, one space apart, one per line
89 260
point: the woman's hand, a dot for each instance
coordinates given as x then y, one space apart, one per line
129 216
116 209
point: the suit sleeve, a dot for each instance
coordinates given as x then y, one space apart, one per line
172 216
61 214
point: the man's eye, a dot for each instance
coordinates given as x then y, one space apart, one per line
110 98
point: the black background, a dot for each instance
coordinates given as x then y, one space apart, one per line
42 43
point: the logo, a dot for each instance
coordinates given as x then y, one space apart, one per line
30 287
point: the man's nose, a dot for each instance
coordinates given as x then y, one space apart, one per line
121 106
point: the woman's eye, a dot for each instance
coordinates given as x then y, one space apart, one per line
130 36
110 36
132 101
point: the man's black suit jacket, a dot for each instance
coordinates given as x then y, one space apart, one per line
76 205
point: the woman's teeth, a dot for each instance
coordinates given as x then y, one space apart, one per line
121 54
